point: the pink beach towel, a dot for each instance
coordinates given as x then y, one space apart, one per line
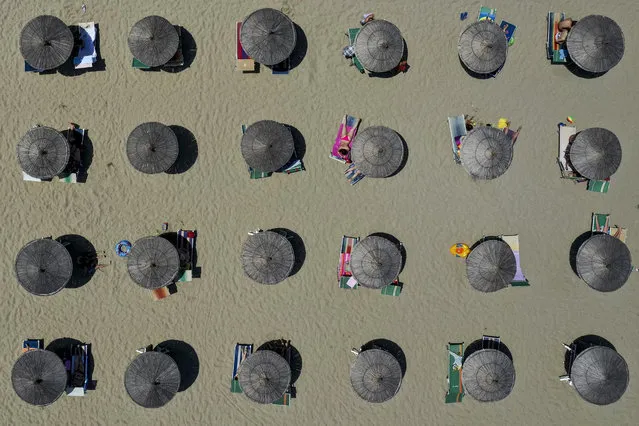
351 122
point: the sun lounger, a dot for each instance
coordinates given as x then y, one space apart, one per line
513 241
186 241
487 13
565 133
28 178
557 53
490 342
78 371
393 289
598 185
242 351
512 134
32 344
178 59
282 68
87 54
457 127
601 220
352 35
137 64
455 388
29 68
243 61
344 273
351 123
353 174
509 31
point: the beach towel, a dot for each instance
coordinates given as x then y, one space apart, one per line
487 13
352 35
242 351
565 133
509 31
598 185
455 391
457 127
513 241
351 123
557 53
344 273
87 54
353 174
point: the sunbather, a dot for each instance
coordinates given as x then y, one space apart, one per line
346 137
563 27
354 173
603 228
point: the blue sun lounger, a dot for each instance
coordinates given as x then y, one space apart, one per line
457 127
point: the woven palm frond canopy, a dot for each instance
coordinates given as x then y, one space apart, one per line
604 262
600 375
375 261
379 46
595 153
264 376
153 41
43 152
267 257
39 377
152 379
267 145
483 47
595 43
46 42
153 262
486 152
488 375
268 36
377 151
376 375
152 148
43 267
491 266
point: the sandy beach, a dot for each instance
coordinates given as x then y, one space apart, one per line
431 204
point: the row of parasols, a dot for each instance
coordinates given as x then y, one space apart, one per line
597 372
595 43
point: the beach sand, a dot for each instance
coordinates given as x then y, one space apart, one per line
431 204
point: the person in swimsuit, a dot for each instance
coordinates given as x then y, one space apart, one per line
346 137
562 30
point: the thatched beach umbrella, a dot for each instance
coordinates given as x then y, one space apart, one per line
46 42
491 266
152 148
39 377
376 375
486 152
483 47
43 152
595 43
153 41
268 36
379 46
264 376
595 153
488 375
375 261
377 151
152 379
267 257
43 267
153 262
267 145
600 375
604 262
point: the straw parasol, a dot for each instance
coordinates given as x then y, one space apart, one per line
595 153
600 375
153 262
267 145
152 379
43 152
46 42
376 375
375 262
152 148
483 47
153 41
604 262
377 151
268 36
379 46
264 376
267 257
488 375
595 43
486 152
491 266
39 377
43 267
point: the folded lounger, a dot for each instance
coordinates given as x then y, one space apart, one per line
455 388
457 127
513 241
351 123
87 54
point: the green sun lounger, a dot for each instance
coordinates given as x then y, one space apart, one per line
352 35
598 185
455 388
393 289
137 64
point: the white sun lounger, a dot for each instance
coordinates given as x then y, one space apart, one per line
565 133
87 55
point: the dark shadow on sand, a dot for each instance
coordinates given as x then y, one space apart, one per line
186 359
83 256
582 343
81 153
189 51
574 249
404 159
390 347
298 141
299 249
479 344
187 150
62 348
301 47
478 75
289 352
